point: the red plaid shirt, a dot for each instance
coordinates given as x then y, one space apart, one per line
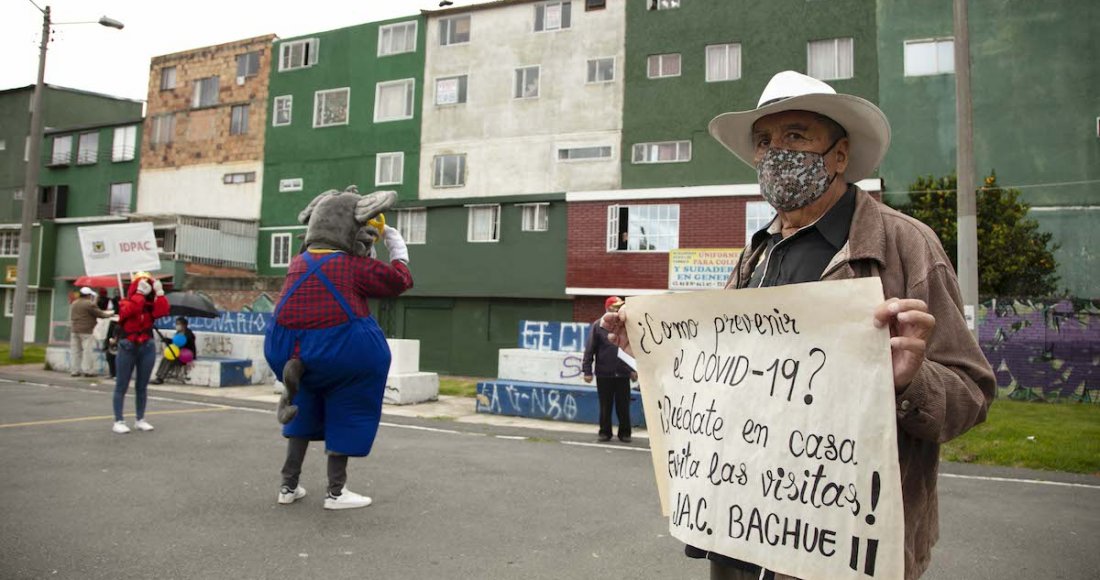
356 278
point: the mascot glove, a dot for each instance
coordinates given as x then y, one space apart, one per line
395 244
143 287
158 288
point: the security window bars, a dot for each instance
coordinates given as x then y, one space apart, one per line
248 64
601 70
283 105
483 224
929 57
238 123
397 38
167 78
280 250
663 152
450 90
758 214
643 228
454 30
390 168
552 16
723 62
87 149
124 143
449 171
331 107
413 225
121 195
584 153
663 65
62 150
830 59
527 83
298 54
536 217
206 93
393 101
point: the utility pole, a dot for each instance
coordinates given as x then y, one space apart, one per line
964 160
30 201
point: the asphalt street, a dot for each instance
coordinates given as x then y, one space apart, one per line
196 499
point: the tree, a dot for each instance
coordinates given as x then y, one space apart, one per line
1014 257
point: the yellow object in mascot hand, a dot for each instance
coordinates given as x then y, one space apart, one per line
378 223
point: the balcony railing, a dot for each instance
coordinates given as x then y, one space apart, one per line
217 242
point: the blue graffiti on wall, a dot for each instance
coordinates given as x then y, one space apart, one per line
563 336
227 322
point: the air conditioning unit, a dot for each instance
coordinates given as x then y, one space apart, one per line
240 81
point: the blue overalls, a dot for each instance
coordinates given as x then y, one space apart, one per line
340 397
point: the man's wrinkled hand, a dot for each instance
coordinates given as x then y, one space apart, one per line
588 378
910 327
615 324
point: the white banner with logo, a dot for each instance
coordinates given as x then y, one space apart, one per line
119 248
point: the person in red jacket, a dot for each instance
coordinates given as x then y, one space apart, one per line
144 303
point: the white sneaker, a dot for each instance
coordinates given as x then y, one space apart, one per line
143 425
288 496
120 427
347 500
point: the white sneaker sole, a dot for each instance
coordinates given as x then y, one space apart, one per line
289 498
337 505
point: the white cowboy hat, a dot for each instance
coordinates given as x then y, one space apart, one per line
867 127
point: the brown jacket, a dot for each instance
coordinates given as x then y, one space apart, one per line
954 387
83 314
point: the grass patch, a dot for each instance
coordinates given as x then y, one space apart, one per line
458 386
32 354
1066 437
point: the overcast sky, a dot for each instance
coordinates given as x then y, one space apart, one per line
116 62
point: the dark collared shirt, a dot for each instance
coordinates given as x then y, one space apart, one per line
804 255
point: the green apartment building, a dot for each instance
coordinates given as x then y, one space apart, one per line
61 196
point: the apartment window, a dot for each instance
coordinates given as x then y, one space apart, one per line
723 62
449 171
552 16
166 240
9 243
248 65
413 225
282 110
238 178
536 217
280 250
584 153
483 223
331 107
663 152
393 101
167 78
601 70
758 214
17 195
397 38
455 30
298 54
389 168
164 129
663 4
87 148
643 228
206 93
9 303
290 184
663 65
929 57
121 195
3 145
830 59
62 150
124 143
527 82
590 5
238 121
450 90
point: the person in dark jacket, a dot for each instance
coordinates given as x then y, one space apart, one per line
166 365
110 345
612 375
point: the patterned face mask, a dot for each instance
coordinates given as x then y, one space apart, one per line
790 180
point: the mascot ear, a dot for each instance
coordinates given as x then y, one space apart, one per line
304 215
373 204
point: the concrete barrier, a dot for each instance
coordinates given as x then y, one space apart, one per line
406 385
540 366
555 402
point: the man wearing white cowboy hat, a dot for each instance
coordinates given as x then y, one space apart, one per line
809 146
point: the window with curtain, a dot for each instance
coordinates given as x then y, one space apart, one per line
87 148
413 225
62 153
124 144
393 101
929 57
483 224
723 62
830 59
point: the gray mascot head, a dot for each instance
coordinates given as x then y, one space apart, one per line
337 220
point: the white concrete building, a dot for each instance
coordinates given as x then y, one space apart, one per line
223 190
522 98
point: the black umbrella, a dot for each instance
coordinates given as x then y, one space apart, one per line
191 304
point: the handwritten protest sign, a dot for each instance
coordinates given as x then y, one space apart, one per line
772 425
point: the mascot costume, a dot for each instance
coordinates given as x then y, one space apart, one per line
325 346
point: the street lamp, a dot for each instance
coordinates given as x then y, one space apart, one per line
30 187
